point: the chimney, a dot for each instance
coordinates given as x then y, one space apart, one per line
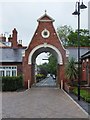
20 43
2 38
14 38
10 39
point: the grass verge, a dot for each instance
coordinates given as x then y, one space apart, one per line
85 94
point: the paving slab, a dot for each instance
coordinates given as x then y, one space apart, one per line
40 102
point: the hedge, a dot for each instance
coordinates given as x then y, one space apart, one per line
40 77
12 83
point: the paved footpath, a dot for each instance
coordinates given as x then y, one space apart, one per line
46 82
40 103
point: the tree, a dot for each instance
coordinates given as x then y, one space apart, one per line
71 71
63 32
52 64
43 69
84 38
69 37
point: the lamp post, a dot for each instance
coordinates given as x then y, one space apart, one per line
77 12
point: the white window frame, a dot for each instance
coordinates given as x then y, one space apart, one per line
8 68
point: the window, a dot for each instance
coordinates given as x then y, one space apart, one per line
8 70
13 72
13 67
2 73
7 73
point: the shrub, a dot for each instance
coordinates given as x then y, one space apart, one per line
12 83
40 77
71 71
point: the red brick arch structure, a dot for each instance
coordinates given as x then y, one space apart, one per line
45 39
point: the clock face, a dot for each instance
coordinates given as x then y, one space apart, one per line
45 33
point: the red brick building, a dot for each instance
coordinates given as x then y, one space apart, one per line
11 55
85 73
16 59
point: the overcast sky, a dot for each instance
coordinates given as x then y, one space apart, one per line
23 16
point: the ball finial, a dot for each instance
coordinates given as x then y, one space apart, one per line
45 11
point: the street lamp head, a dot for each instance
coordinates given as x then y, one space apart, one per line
82 6
75 12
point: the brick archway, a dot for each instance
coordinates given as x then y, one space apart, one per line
45 48
45 39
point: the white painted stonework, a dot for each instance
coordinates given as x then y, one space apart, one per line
59 56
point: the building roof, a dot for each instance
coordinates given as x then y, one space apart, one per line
11 55
46 18
86 55
73 51
8 54
2 45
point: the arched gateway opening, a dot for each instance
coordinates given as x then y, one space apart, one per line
45 39
40 49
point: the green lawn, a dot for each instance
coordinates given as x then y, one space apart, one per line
85 94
